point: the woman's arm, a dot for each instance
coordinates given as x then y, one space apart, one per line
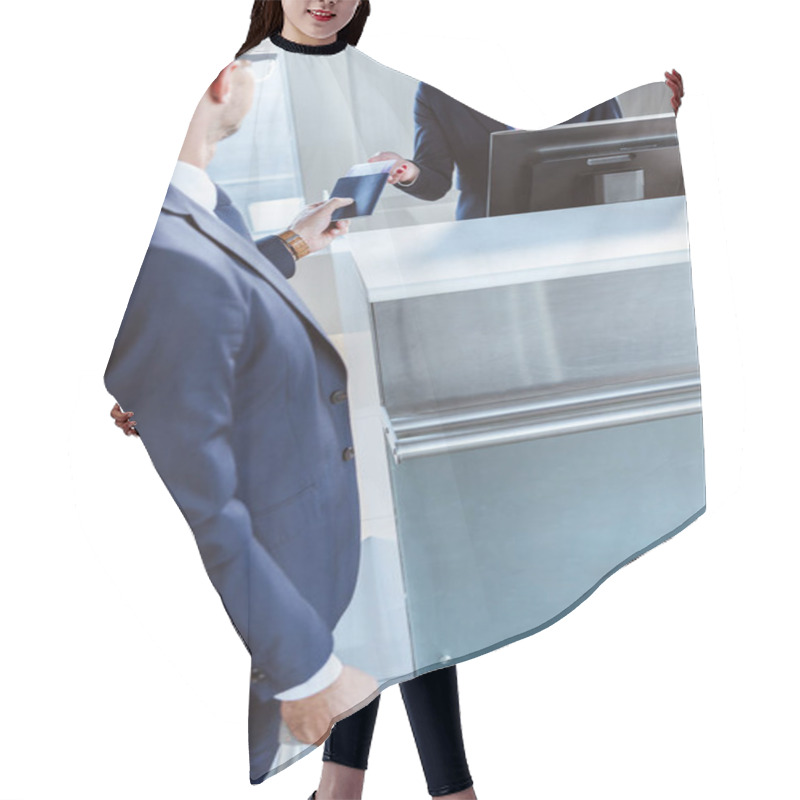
429 175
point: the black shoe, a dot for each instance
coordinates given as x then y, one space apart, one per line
313 795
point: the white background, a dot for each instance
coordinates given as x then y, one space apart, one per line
120 675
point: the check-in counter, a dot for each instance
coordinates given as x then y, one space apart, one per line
525 399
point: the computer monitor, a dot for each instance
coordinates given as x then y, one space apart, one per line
584 164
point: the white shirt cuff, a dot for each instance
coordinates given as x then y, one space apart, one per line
410 183
320 680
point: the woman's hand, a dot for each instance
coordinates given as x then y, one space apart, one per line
675 83
124 420
403 170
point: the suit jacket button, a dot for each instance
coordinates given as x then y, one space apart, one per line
349 454
339 396
257 675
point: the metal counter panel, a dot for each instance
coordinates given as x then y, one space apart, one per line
448 351
497 542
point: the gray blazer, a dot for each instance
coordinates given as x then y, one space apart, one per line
240 401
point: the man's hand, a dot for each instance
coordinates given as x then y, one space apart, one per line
675 83
124 420
313 225
310 720
402 169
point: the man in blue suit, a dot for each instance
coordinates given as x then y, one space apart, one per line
240 399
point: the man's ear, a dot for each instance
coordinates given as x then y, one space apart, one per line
220 89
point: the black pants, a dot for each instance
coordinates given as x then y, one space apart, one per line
432 706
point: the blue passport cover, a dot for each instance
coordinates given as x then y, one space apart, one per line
364 189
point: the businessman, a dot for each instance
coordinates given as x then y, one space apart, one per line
240 400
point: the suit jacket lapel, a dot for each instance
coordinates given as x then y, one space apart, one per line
176 202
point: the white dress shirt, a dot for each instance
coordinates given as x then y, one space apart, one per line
195 183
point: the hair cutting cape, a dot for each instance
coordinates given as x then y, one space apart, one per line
521 397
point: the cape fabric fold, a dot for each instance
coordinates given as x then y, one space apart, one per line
521 404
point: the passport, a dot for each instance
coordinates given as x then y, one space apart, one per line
364 183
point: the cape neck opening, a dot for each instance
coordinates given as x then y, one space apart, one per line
309 49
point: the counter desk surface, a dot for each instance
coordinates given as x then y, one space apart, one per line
474 254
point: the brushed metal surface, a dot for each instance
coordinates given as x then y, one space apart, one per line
444 352
491 425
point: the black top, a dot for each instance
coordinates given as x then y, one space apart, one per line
309 49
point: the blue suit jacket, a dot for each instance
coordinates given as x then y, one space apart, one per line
238 396
449 134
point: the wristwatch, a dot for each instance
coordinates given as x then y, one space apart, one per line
296 244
